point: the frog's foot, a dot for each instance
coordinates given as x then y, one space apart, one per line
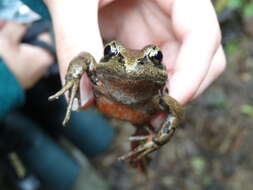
141 151
153 141
72 86
139 138
143 137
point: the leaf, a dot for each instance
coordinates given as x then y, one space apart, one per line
248 10
247 109
234 4
198 165
231 48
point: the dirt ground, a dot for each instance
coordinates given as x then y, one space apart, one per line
212 149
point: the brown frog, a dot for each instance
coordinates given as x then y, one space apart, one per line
129 85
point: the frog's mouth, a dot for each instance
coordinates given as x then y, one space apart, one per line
120 72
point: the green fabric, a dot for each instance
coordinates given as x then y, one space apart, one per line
11 93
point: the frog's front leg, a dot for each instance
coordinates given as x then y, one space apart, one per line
84 62
155 141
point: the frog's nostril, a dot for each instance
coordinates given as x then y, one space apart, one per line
141 61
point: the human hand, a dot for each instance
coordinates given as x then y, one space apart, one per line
28 63
187 32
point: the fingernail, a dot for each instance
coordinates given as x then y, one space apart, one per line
86 93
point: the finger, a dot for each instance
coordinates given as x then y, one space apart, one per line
103 3
13 32
86 98
76 30
2 23
27 56
10 35
191 67
200 36
217 67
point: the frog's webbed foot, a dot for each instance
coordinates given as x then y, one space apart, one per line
148 129
77 67
154 141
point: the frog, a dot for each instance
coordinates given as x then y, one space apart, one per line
130 85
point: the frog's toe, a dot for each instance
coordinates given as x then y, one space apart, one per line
73 94
65 88
144 153
138 138
128 155
140 151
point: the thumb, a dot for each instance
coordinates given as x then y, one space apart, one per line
79 32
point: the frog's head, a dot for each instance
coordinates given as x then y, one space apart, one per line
144 65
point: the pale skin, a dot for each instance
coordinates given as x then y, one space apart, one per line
28 63
187 32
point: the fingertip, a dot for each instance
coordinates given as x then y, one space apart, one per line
218 66
182 89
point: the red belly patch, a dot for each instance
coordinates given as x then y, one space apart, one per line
120 111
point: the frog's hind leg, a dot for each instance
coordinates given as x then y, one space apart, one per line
140 136
167 130
152 142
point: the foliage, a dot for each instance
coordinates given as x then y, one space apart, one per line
244 6
247 109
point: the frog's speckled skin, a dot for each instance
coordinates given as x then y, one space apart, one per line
129 85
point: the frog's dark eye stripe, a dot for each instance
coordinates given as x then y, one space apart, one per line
111 50
156 57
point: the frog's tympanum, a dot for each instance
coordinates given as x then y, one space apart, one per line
129 85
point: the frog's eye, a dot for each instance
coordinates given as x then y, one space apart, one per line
156 56
110 50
